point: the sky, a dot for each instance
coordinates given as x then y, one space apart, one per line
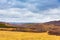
29 11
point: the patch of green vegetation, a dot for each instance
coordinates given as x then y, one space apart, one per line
5 26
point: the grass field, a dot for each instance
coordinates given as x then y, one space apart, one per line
10 35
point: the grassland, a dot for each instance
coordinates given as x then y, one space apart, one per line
10 35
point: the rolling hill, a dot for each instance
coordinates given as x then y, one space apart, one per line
52 27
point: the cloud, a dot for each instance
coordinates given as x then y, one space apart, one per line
29 10
24 15
18 15
53 11
39 5
32 5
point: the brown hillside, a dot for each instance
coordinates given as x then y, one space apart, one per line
52 27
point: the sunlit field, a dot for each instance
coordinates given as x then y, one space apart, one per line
11 35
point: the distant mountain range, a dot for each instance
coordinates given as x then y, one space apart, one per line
57 23
54 22
52 26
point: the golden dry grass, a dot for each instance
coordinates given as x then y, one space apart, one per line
9 35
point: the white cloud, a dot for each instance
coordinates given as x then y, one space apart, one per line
19 15
11 11
24 15
55 11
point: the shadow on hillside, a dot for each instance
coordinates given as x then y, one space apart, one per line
23 31
54 33
49 33
29 31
